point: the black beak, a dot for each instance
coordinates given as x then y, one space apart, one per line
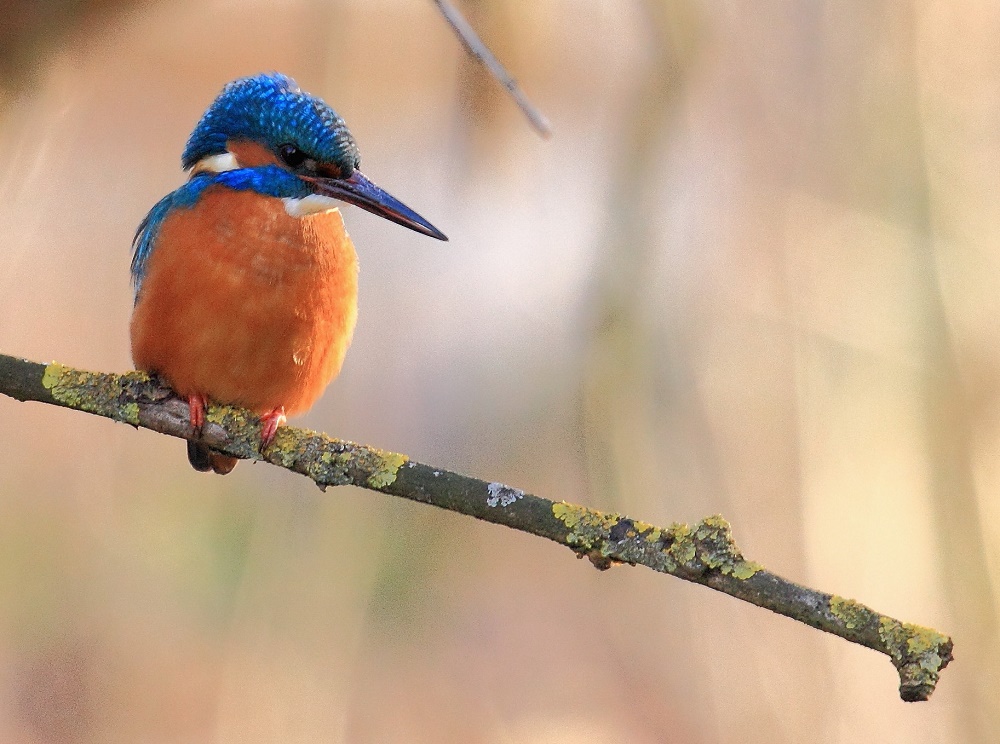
358 190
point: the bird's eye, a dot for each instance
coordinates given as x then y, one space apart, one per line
292 156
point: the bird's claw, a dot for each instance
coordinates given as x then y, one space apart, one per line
197 405
269 426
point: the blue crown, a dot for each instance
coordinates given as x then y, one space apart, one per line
272 110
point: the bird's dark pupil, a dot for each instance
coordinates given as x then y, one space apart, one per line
292 156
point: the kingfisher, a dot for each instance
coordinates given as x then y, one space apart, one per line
245 280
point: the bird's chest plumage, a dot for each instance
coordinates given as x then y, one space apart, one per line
245 304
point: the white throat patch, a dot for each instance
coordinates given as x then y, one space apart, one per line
312 204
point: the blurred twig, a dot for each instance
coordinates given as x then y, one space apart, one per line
475 46
704 554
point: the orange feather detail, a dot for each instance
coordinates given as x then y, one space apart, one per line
245 304
251 154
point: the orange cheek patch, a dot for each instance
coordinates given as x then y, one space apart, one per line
251 154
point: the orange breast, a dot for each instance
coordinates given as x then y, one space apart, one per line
245 304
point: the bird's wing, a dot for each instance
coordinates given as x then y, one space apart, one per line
145 237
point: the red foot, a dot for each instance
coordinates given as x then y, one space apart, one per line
269 425
197 405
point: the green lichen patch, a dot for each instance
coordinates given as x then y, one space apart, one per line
653 535
285 448
334 462
904 640
708 546
235 420
918 653
568 514
385 467
680 547
329 462
93 392
315 455
587 527
852 614
744 569
717 549
891 633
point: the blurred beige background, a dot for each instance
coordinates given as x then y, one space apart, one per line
754 272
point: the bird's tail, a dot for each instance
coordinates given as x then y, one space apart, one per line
204 459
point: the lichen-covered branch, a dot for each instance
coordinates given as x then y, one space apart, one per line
704 553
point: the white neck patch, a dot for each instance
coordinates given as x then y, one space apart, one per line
312 204
225 161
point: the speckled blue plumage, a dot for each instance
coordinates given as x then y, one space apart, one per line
271 109
269 180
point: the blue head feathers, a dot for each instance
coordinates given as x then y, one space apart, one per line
271 109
